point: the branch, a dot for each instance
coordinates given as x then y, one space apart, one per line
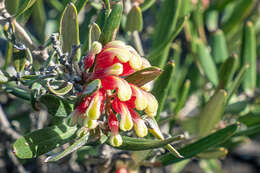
5 126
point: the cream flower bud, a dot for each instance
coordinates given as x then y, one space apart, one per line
140 128
96 47
116 140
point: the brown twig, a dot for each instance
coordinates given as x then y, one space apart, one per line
5 126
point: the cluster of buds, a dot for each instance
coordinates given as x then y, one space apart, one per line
117 99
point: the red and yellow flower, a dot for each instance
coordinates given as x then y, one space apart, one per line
118 99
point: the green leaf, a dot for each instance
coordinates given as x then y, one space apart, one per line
214 153
212 20
8 55
62 90
166 26
253 130
162 86
19 57
236 83
134 21
248 56
183 97
69 30
206 62
209 119
211 166
250 119
75 146
23 6
56 106
12 6
136 144
42 141
39 19
147 4
227 71
144 76
112 24
219 47
93 35
199 146
156 51
243 7
80 4
237 107
18 92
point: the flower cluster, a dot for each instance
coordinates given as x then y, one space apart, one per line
118 99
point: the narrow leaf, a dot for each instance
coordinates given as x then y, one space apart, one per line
162 86
165 28
248 56
199 146
23 6
80 4
236 83
227 71
75 146
243 7
206 62
214 153
112 24
182 100
136 144
253 130
155 53
147 4
219 47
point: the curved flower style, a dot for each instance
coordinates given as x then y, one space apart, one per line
116 96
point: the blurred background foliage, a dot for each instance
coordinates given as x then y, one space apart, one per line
208 91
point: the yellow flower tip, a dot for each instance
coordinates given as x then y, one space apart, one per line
115 43
126 122
148 86
152 105
93 111
123 55
140 128
6 27
140 101
116 140
145 63
116 69
96 47
91 124
135 61
124 90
